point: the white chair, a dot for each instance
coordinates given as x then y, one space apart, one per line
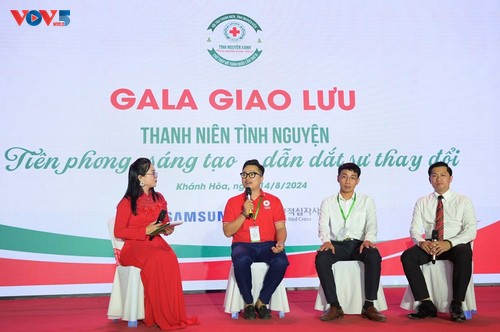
234 303
127 295
438 278
350 281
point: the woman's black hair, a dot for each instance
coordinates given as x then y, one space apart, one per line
134 190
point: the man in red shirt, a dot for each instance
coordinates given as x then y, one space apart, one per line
256 221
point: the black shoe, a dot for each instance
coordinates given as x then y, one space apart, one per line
263 312
424 310
249 312
456 312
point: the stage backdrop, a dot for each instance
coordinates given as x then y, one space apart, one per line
86 87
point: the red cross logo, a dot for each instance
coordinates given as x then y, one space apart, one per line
234 31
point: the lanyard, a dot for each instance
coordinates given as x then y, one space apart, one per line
342 210
257 211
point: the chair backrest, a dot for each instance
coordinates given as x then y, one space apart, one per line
117 243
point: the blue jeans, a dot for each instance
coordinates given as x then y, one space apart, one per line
244 254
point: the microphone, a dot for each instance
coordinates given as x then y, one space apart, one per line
248 192
161 217
434 239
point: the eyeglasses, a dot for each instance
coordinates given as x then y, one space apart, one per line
155 174
251 175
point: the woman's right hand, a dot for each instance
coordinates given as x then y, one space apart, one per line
152 227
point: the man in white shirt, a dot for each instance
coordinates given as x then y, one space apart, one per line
460 227
348 231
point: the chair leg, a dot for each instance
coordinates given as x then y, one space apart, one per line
132 323
468 314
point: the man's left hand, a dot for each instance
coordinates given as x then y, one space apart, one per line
367 244
438 247
279 247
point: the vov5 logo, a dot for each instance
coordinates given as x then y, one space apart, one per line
35 17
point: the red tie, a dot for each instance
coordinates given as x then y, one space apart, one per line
440 218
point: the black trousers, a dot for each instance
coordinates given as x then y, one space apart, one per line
461 257
348 251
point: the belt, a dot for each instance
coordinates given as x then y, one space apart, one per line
347 239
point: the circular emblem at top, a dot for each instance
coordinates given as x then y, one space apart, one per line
234 40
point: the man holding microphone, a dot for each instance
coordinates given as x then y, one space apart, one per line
449 219
256 222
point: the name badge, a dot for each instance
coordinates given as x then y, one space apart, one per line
254 234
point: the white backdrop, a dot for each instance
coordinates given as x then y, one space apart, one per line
414 82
